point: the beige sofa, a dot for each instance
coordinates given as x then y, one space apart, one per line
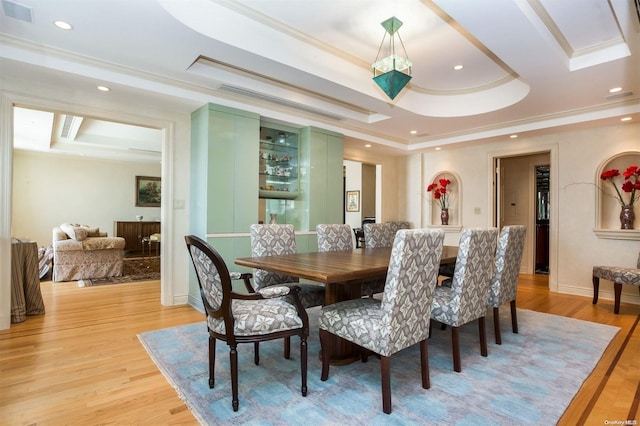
82 252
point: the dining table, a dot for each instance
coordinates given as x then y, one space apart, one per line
341 272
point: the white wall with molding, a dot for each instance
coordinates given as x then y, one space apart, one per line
577 157
51 189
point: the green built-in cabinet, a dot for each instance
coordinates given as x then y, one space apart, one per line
224 178
321 153
227 173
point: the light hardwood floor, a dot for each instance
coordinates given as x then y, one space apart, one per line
81 363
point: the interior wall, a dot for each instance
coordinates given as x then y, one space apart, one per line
579 153
392 197
368 197
353 182
49 190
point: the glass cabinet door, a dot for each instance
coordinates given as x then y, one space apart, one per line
278 169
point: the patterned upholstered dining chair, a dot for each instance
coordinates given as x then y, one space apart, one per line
273 240
466 300
334 237
504 283
274 312
378 235
401 318
395 226
278 239
618 275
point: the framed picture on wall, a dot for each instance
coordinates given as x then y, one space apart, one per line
353 201
148 190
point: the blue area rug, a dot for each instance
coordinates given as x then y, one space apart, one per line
529 380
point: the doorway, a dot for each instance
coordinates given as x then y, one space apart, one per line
98 162
523 198
543 211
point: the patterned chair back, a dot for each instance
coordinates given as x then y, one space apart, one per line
272 240
378 235
504 283
472 274
336 237
408 292
212 273
398 225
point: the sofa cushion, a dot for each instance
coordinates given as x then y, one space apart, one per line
104 243
75 232
93 231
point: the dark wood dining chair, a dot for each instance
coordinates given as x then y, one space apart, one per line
401 318
237 318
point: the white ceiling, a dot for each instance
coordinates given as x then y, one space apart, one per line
60 133
530 66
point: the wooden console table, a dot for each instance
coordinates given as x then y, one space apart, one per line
134 232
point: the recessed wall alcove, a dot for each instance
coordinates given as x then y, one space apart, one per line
607 207
454 189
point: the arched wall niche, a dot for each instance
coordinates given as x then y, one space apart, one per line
607 206
454 189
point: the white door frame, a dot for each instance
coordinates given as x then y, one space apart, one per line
494 183
7 102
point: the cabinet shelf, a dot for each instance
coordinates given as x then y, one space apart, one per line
278 177
285 195
275 145
278 166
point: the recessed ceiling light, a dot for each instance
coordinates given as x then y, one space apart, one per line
437 148
458 67
625 119
63 25
368 145
513 136
413 132
615 90
103 88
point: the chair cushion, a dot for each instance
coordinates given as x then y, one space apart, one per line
257 317
618 274
358 321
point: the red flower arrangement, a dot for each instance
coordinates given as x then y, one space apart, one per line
440 192
630 185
